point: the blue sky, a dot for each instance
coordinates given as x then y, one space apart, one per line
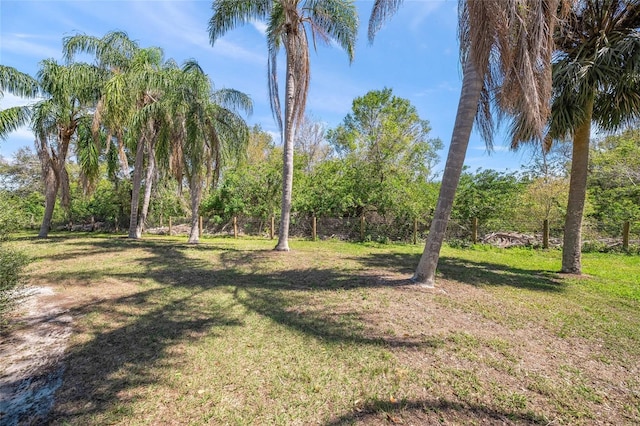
415 54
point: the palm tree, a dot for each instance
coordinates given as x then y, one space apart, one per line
596 76
114 53
205 130
126 108
20 84
288 23
506 48
70 93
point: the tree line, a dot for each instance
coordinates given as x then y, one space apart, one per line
332 184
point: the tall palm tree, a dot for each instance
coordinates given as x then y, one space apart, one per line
114 53
288 22
506 48
70 94
206 129
596 79
20 84
126 108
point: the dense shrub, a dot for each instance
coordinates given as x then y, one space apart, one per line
12 262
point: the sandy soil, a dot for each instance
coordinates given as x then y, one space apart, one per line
31 354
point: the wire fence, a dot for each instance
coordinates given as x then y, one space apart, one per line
374 227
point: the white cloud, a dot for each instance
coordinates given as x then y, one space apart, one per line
10 100
423 11
326 102
23 134
442 87
235 51
181 23
275 136
16 140
26 44
260 26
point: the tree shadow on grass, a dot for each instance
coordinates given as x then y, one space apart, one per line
470 272
129 346
100 373
433 411
134 352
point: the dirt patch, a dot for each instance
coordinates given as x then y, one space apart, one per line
31 352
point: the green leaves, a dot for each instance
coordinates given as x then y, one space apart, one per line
337 20
387 155
16 82
228 14
614 180
486 195
599 59
11 119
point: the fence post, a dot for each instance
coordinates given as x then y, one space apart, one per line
161 220
415 231
235 227
170 225
273 226
362 227
474 230
313 228
545 234
200 227
625 235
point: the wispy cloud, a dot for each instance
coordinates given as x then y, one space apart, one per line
442 87
15 140
260 26
495 148
234 51
29 45
182 23
10 100
422 10
23 134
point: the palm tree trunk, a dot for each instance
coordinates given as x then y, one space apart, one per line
572 240
135 191
122 156
195 189
51 192
287 157
52 164
151 169
467 109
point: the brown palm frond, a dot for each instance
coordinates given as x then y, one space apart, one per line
272 80
302 74
511 44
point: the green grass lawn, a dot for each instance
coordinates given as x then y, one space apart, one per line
230 332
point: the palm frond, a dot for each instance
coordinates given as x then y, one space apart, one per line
11 119
338 19
88 154
274 93
381 11
511 43
229 14
18 83
599 64
233 99
113 51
